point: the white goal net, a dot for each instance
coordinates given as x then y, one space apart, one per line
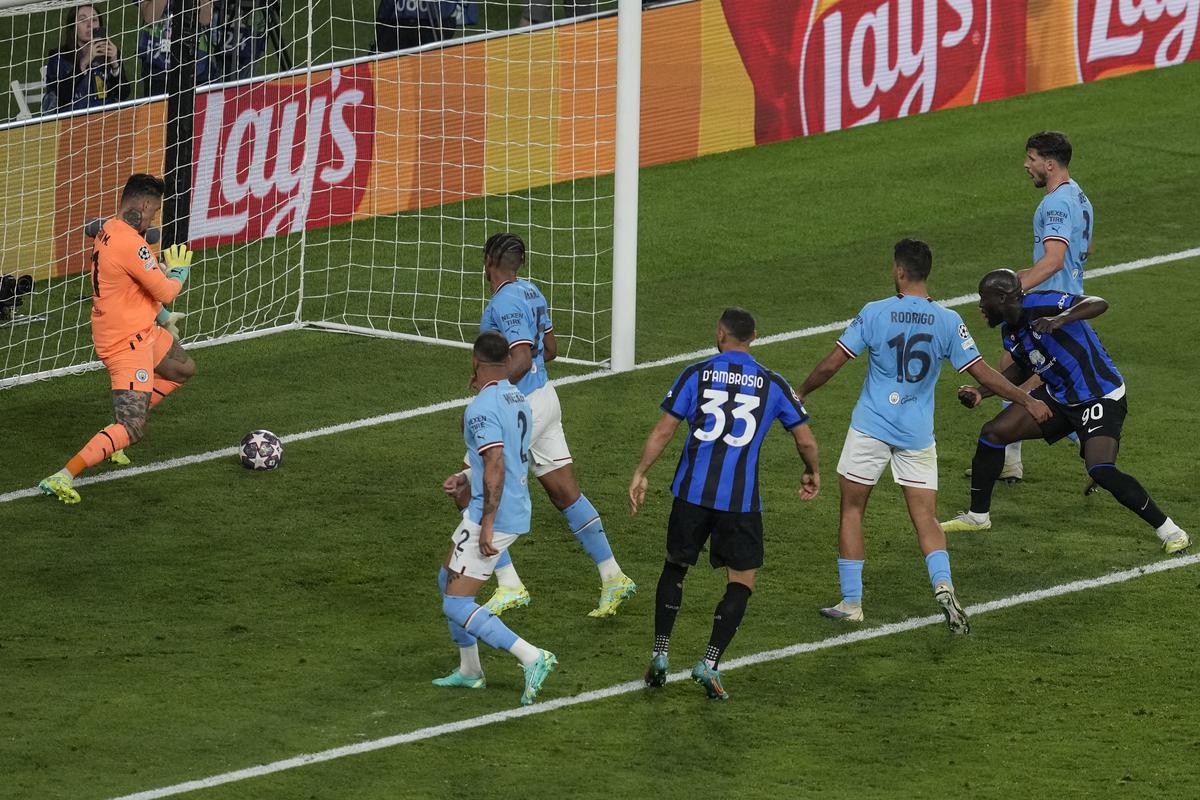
348 160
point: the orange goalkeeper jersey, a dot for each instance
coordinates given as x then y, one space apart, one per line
128 287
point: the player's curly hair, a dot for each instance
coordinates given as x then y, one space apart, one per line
1051 144
505 249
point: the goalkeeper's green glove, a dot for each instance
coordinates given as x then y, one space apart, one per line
179 262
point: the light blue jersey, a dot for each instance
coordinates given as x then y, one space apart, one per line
500 416
908 337
519 311
1066 215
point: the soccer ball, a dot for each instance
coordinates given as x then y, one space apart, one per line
261 450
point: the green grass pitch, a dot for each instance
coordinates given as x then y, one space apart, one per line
198 620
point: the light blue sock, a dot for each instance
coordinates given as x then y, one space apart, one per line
479 622
457 632
1073 436
584 520
938 564
505 560
850 575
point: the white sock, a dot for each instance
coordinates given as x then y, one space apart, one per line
507 577
984 517
524 651
1165 530
66 474
468 661
608 570
1012 455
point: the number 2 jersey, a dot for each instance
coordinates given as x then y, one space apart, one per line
908 337
729 403
499 416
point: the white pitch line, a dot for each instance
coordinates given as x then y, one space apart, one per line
629 687
695 355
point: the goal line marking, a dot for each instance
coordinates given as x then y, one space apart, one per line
397 416
861 635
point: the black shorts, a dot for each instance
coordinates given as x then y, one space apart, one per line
1088 420
737 536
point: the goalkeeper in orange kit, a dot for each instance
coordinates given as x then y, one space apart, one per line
145 362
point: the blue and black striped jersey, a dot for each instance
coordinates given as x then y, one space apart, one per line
1071 361
729 403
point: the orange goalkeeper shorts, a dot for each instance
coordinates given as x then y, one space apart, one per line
132 366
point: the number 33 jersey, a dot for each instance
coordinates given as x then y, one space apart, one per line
908 337
729 403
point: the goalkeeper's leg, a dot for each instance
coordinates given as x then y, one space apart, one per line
174 367
129 409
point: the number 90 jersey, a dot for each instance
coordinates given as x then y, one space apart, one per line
908 337
729 403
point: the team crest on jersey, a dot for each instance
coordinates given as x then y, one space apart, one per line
142 376
894 398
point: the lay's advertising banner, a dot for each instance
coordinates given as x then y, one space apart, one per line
513 112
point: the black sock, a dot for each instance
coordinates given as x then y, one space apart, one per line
726 620
985 471
667 600
1128 492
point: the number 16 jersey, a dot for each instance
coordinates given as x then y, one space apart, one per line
908 337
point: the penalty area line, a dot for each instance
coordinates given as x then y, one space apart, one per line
695 355
630 687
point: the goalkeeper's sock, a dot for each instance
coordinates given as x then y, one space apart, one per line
98 448
162 388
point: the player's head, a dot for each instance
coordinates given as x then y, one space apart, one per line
80 24
1046 154
489 358
503 254
141 199
735 329
912 261
1000 297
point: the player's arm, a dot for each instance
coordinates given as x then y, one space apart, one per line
520 361
806 446
1012 372
163 285
1052 261
660 436
1088 307
493 490
549 346
824 370
995 383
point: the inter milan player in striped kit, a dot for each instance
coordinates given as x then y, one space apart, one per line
729 402
1047 334
908 336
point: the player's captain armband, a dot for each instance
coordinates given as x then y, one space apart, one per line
178 259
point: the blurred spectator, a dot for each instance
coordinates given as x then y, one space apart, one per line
401 24
234 43
154 43
85 69
543 10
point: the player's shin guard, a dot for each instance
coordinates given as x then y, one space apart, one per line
1128 492
937 564
667 600
457 632
584 520
985 471
850 578
478 622
726 620
98 448
162 388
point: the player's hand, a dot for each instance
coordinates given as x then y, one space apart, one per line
485 540
637 493
1039 410
452 485
178 259
969 396
1049 324
810 485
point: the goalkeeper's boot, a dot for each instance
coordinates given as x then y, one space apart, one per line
1176 542
506 597
59 485
710 679
956 618
967 521
459 681
656 673
535 675
845 610
119 458
612 593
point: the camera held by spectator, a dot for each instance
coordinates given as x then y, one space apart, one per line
85 70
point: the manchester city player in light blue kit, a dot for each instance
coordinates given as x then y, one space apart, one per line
519 311
908 336
1062 241
496 428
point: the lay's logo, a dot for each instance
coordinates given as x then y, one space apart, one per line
867 60
1119 36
